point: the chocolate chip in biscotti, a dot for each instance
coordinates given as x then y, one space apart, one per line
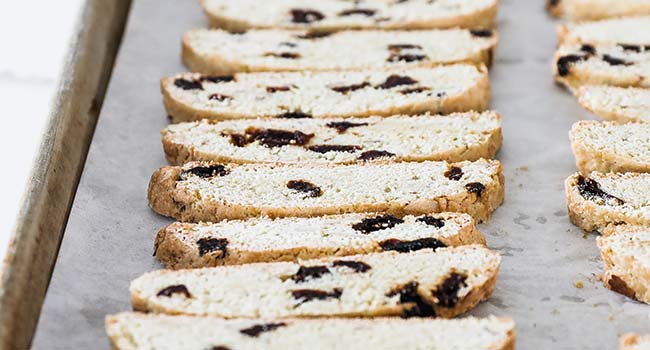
238 140
590 189
306 16
396 80
447 292
400 47
588 48
409 57
293 115
377 223
357 11
218 78
614 61
258 329
204 172
476 188
305 187
274 89
619 286
220 347
287 55
219 97
634 48
334 148
186 84
288 44
209 245
564 63
432 221
278 138
342 127
375 154
314 35
416 90
481 33
411 246
175 289
344 89
309 272
357 266
305 295
454 173
408 294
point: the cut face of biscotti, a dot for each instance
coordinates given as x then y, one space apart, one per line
221 52
616 103
626 256
334 15
136 331
213 192
576 10
444 89
611 147
603 64
185 245
455 137
627 30
633 341
604 199
444 282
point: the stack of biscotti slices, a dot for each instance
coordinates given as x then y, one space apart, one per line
328 165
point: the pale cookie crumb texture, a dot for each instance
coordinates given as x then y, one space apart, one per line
136 331
212 192
616 103
443 282
626 256
580 10
303 95
456 137
633 341
185 245
221 52
611 147
626 30
334 15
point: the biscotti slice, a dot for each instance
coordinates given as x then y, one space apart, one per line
185 245
603 199
212 192
616 103
611 147
137 331
221 52
633 341
335 15
626 256
577 10
603 64
455 137
628 31
443 282
407 90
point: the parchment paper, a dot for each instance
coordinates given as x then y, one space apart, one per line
109 237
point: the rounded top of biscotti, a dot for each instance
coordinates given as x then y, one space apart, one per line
617 103
626 30
621 143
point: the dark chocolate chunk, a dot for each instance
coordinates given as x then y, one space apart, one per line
314 35
274 89
256 330
564 63
306 187
175 289
220 97
287 55
475 187
416 90
217 78
342 127
238 140
454 173
306 16
408 294
357 11
357 266
208 245
334 148
635 48
614 61
590 189
344 89
411 246
552 3
618 285
220 347
377 223
481 33
396 80
406 57
186 84
278 138
447 292
399 47
204 172
288 44
432 221
590 49
374 154
305 272
305 295
293 115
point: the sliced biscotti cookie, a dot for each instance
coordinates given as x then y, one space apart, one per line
633 341
408 90
577 10
335 15
616 103
185 245
628 31
455 137
136 331
604 199
221 52
442 282
626 256
212 192
602 64
611 147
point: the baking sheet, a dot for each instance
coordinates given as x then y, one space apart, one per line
110 233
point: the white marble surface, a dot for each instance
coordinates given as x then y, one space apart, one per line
34 37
